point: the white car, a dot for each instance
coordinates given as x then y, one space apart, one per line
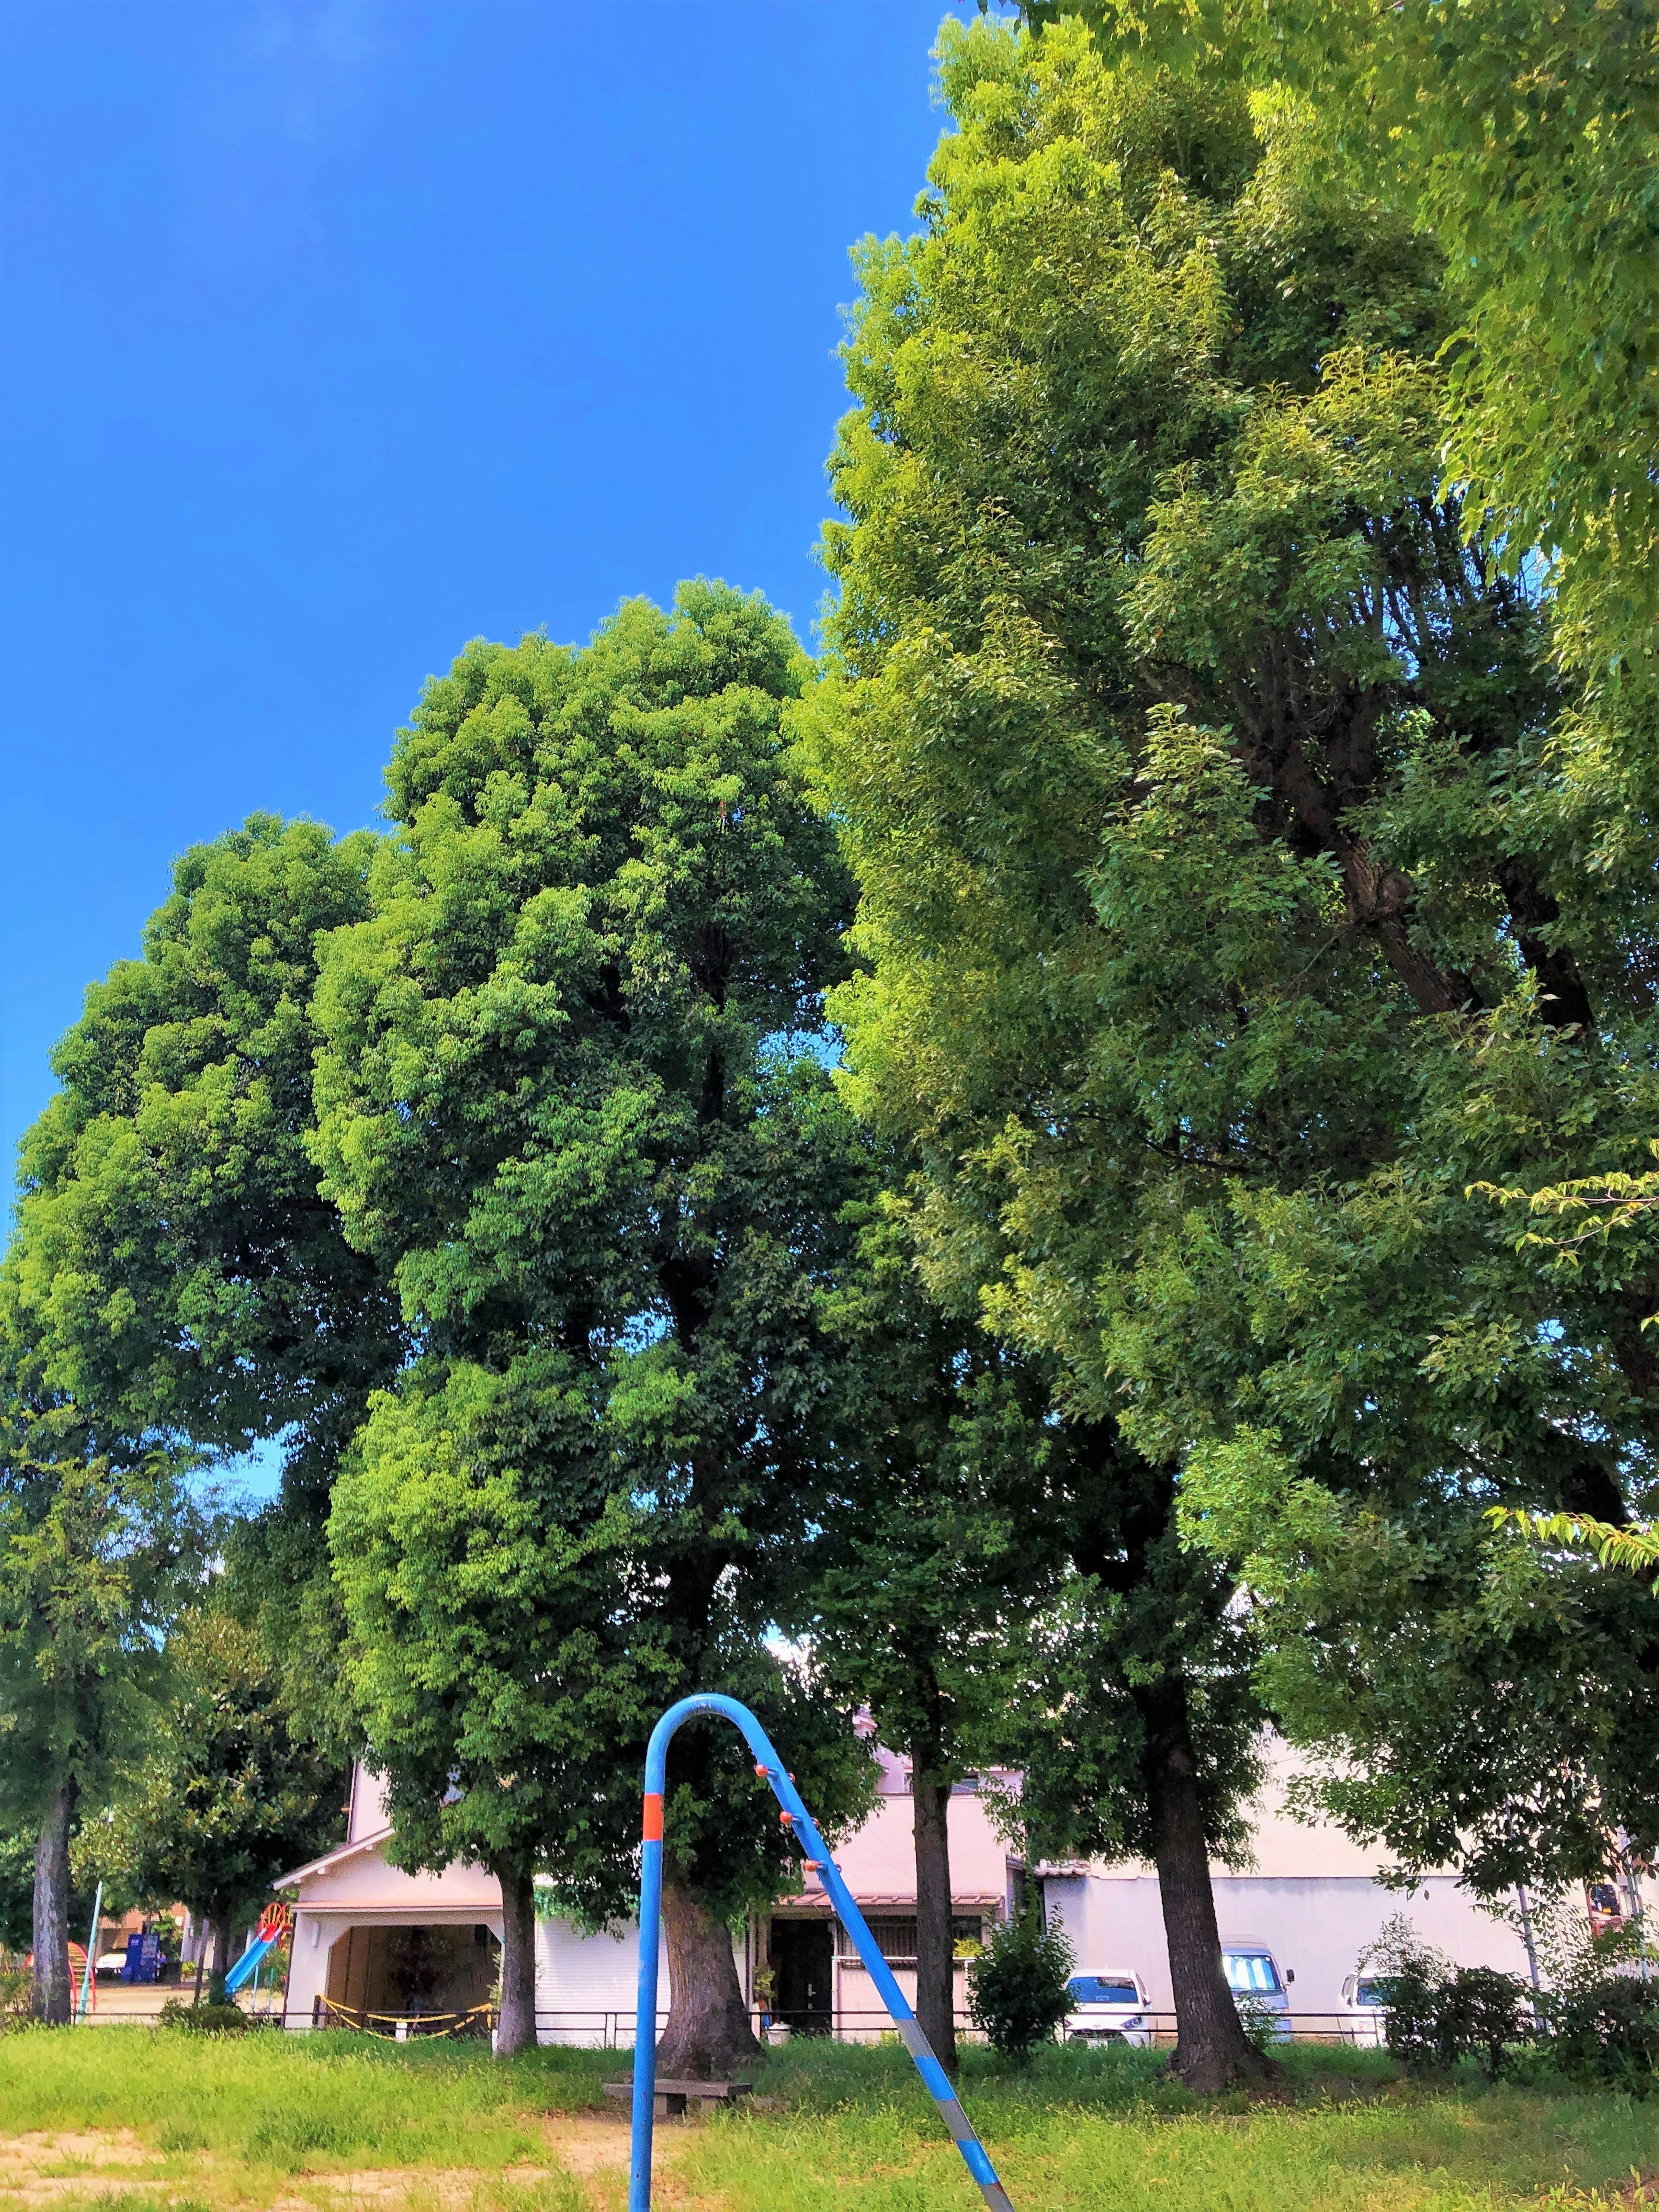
1109 2007
1366 2011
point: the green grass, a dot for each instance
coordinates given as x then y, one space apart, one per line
293 2102
246 2122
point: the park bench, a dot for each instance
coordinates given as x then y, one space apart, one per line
675 2098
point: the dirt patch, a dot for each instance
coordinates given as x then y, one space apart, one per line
99 2163
86 2145
592 2142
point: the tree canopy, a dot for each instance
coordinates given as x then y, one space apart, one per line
566 1102
1227 911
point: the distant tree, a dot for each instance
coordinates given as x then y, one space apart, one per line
564 1103
95 1560
221 1798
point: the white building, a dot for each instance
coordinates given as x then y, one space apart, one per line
373 1945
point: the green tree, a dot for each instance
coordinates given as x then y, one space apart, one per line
1521 136
221 1798
174 1267
95 1559
563 1102
939 1535
1229 915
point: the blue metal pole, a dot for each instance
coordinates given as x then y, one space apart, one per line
771 1768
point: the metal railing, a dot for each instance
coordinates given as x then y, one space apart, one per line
611 2028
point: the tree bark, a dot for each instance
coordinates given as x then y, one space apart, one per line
516 2028
54 1999
935 1973
707 2033
1211 2051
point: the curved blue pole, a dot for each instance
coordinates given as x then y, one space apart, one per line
771 1768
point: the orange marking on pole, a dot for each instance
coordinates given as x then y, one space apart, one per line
652 1831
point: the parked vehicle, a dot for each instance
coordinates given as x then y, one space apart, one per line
1109 2007
1366 2011
1254 1978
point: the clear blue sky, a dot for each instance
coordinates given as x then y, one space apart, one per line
338 331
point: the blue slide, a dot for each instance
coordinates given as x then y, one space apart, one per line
248 1964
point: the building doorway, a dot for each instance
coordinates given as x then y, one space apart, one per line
412 1973
801 1955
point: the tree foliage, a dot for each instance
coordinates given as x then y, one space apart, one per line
219 1798
1521 136
95 1560
1229 914
175 1269
564 1103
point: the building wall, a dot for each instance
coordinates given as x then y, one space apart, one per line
1312 1897
1315 1926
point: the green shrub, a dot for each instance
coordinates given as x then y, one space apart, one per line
1019 1988
204 2018
1607 2031
1434 2020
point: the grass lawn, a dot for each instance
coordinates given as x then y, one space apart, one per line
135 2120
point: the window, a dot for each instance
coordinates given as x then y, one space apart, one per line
895 1940
1105 1989
1251 1973
1369 1990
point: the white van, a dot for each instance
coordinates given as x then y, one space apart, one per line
1254 1978
1109 2006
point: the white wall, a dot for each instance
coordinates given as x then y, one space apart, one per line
1315 1926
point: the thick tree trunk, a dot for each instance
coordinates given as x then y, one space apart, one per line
708 2031
516 2029
935 2009
1211 2051
215 1951
53 2001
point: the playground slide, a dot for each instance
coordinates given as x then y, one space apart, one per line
249 1963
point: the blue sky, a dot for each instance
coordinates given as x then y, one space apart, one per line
338 331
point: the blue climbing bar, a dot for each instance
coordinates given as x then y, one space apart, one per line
771 1769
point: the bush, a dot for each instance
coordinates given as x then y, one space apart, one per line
1473 2013
1607 2031
204 2018
1019 1987
1439 2013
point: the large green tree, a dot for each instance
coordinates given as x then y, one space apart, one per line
175 1269
1227 912
1523 137
564 1103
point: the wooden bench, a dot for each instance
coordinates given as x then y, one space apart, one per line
675 2098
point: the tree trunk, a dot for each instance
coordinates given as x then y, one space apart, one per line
516 2030
1211 2051
708 2031
53 2000
935 1975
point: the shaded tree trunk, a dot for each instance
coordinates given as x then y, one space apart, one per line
708 2031
935 2008
1211 2051
516 2030
53 1999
